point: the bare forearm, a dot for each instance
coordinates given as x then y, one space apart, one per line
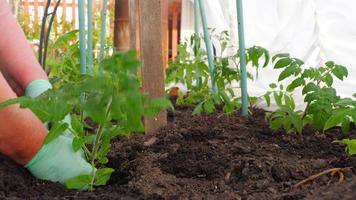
17 60
21 132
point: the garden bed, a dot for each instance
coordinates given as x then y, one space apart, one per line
213 156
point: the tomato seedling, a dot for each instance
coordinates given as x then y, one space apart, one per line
111 103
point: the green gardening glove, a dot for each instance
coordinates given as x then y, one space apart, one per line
56 161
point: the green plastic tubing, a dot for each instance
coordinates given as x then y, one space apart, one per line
102 33
209 45
90 37
83 67
240 21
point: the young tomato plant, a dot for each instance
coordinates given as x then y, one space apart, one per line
319 95
191 69
112 102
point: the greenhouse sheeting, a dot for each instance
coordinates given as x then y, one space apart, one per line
315 31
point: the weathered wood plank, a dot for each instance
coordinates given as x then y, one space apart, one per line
152 57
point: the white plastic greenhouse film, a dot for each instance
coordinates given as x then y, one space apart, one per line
315 31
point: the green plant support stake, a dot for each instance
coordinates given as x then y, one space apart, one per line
102 33
196 30
196 16
90 37
208 44
240 23
83 67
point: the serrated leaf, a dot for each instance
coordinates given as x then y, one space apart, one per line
79 183
56 131
77 143
77 125
103 176
284 62
350 146
336 119
287 72
340 72
198 109
296 83
208 106
345 126
156 105
276 123
328 80
310 87
281 55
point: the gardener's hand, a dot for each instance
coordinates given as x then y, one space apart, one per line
56 161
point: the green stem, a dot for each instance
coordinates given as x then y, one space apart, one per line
85 148
97 141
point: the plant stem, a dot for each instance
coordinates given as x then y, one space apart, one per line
97 141
85 148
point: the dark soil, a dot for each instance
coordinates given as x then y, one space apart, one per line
208 157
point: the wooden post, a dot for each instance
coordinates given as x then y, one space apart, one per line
175 29
165 31
74 13
152 58
134 24
121 26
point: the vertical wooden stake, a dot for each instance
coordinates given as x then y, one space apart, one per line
152 58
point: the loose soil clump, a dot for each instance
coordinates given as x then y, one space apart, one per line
214 156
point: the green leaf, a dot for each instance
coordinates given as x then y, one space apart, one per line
79 183
198 109
336 118
340 72
287 72
77 143
268 99
350 146
284 62
273 86
208 106
296 83
103 176
156 105
310 87
56 131
289 101
276 123
278 98
345 125
8 103
282 55
77 125
328 80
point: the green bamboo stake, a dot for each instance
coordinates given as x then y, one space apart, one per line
102 33
208 44
240 21
90 37
83 67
